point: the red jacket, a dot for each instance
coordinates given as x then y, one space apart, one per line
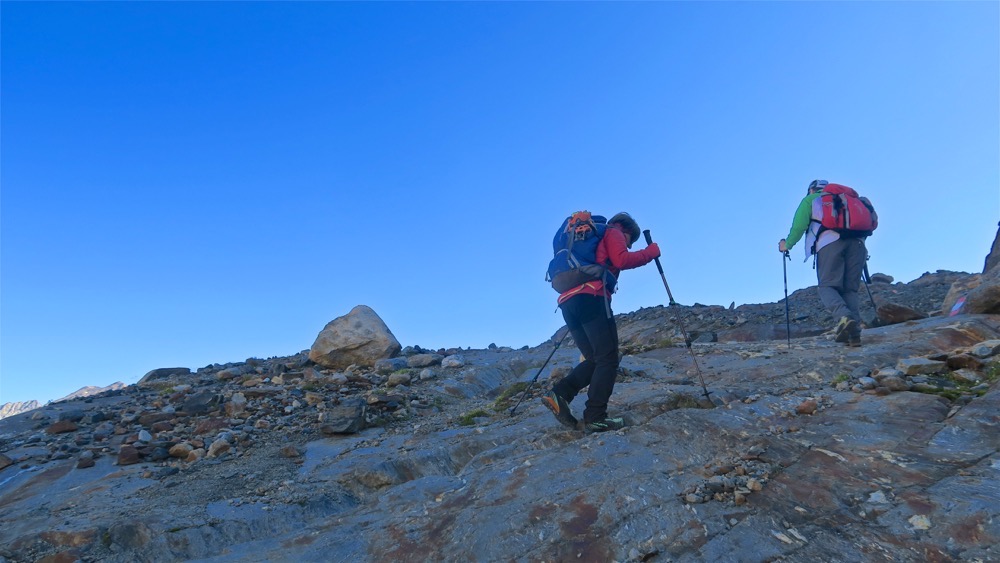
613 253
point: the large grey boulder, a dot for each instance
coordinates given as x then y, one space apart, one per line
359 337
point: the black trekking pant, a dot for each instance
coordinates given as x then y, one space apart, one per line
596 336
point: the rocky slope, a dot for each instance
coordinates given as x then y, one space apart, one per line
812 451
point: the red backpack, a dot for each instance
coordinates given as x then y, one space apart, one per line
841 209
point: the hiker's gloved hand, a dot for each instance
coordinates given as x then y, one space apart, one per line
781 246
652 251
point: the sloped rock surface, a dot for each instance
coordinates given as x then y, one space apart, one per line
807 453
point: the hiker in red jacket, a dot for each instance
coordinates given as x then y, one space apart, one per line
586 309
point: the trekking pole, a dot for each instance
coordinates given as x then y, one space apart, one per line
868 279
534 379
788 323
687 341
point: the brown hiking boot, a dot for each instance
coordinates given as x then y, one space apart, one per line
845 328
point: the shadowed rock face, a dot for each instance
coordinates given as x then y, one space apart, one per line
813 451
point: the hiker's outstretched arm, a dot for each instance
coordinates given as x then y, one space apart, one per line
619 255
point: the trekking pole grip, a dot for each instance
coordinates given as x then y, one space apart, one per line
649 241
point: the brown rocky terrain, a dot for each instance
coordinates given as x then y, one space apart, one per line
801 452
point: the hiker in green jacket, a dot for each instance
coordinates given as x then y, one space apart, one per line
840 259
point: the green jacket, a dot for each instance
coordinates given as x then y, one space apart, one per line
800 223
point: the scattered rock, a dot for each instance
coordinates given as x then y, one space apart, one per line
181 450
892 313
345 418
455 361
401 378
128 455
918 366
385 366
219 447
807 407
236 405
423 360
61 427
986 349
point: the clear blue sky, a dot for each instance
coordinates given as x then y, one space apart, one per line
190 183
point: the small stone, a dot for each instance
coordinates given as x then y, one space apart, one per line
228 374
338 379
754 484
236 405
867 382
920 522
882 373
313 399
693 499
807 407
128 455
878 497
960 361
195 455
986 349
145 436
895 384
427 373
453 362
290 451
181 450
218 448
966 376
423 360
398 379
61 427
5 461
920 366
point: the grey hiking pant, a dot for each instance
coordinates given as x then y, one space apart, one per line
838 270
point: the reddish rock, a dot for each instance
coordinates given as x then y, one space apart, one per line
290 451
181 450
62 427
128 455
5 461
162 427
961 361
893 313
153 418
210 425
807 407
